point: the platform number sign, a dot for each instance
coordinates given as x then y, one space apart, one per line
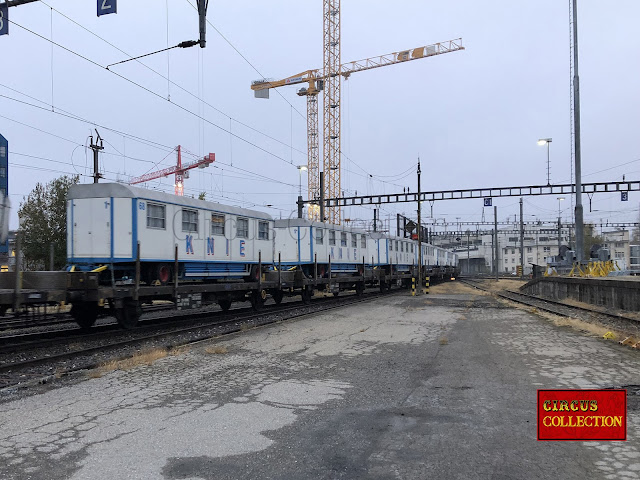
107 6
4 18
487 202
624 196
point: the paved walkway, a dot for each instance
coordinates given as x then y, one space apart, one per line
442 386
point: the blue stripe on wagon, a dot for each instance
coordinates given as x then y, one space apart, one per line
191 268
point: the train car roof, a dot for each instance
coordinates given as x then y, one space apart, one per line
302 222
121 190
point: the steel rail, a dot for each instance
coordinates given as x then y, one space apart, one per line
527 299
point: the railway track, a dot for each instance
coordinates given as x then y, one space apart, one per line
13 324
41 364
550 306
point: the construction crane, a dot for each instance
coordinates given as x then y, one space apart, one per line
328 81
181 171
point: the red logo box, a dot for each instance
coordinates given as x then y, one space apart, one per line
582 415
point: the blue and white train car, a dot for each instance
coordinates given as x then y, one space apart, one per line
403 254
107 221
302 242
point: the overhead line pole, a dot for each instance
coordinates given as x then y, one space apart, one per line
96 149
576 121
521 240
495 229
419 233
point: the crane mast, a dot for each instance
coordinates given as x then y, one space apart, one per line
331 107
328 82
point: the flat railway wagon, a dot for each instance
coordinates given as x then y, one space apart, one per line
127 246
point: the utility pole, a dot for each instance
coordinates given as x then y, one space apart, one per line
576 122
521 240
495 229
468 254
96 148
419 233
202 14
559 234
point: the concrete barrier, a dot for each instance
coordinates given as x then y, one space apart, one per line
618 293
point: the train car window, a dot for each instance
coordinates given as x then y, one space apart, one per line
332 237
412 248
217 224
391 245
189 220
319 236
402 246
242 230
396 245
363 241
354 239
155 215
343 239
263 230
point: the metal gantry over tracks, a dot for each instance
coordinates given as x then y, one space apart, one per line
479 193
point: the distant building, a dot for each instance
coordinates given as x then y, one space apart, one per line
476 252
475 248
618 244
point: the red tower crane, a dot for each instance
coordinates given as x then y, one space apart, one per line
181 171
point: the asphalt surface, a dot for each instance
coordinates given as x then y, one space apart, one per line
442 386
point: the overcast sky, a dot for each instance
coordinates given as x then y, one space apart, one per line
473 116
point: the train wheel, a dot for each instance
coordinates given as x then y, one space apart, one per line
164 273
85 314
257 299
306 295
254 275
225 304
129 315
277 296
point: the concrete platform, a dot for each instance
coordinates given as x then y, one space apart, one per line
622 293
439 386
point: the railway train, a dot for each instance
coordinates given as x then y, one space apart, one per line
154 239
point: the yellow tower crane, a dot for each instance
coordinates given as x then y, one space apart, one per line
329 83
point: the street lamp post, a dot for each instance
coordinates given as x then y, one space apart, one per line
300 204
547 141
301 168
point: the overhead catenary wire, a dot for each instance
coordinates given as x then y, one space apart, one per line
181 107
171 82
